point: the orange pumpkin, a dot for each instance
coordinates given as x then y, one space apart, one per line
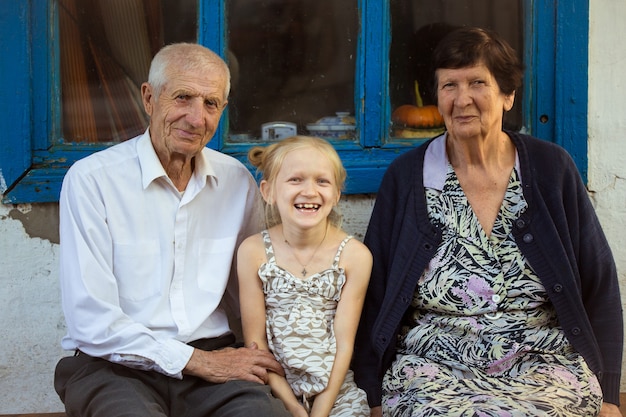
424 117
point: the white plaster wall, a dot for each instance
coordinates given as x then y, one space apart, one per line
607 127
32 323
31 320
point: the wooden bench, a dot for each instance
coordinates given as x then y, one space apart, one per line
34 415
622 399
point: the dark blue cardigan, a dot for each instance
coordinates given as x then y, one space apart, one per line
559 234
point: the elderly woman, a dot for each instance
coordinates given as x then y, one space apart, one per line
494 291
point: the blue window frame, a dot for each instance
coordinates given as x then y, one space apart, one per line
34 158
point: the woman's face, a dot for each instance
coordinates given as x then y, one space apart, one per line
471 102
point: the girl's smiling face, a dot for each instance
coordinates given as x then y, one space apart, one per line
470 101
305 190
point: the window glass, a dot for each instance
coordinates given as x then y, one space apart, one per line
293 68
417 26
105 51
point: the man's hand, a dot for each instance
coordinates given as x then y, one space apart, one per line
376 412
218 366
609 410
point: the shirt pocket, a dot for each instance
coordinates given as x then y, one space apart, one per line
214 263
137 269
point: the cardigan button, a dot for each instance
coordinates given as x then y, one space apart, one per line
557 287
520 223
576 331
528 238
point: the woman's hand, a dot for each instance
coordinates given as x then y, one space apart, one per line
609 410
376 412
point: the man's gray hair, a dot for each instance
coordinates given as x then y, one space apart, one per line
186 56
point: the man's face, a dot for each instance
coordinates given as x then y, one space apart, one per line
185 114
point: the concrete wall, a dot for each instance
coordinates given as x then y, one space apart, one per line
607 128
32 322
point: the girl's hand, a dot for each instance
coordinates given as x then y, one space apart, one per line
376 412
297 410
609 410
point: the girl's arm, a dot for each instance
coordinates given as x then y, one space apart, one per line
357 261
250 255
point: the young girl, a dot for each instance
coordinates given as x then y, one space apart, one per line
303 280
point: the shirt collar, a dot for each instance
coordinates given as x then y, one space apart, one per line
436 163
152 169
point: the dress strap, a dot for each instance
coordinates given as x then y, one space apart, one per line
338 255
269 249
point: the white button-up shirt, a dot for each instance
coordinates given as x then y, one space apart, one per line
145 269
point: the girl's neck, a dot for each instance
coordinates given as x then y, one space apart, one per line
307 251
304 238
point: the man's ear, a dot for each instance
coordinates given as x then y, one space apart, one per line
146 98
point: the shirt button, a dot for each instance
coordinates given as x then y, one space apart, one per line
495 298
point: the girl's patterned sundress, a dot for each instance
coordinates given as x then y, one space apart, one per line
299 325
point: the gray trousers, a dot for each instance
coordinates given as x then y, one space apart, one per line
94 387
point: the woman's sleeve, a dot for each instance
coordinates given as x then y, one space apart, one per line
367 362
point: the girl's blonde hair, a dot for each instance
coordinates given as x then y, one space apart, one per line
269 159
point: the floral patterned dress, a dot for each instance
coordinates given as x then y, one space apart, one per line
481 337
299 325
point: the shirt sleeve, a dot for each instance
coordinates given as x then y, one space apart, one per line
96 324
254 223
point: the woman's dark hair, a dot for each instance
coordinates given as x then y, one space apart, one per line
469 46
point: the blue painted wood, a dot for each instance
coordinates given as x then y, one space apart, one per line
212 34
539 61
31 145
571 66
46 90
41 185
15 94
375 21
557 61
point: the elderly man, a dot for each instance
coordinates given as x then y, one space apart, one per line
149 229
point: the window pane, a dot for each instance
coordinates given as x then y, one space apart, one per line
292 61
417 26
105 52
